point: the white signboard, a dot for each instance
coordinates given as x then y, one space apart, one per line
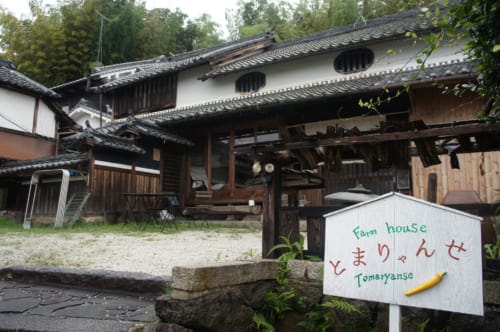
380 249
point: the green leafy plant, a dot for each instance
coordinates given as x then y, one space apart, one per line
292 250
492 251
284 297
320 317
262 323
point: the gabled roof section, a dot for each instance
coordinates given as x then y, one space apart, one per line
133 65
97 138
383 28
80 81
12 79
182 61
88 107
60 161
109 136
361 83
149 128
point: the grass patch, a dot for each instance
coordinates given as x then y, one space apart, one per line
129 228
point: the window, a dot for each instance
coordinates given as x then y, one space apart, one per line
250 82
147 96
353 61
220 158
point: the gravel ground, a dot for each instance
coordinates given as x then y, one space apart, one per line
153 253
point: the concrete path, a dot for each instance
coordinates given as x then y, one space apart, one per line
35 306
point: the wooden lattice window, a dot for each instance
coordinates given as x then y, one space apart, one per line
147 96
353 61
250 82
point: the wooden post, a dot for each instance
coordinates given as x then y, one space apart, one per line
270 215
432 188
316 236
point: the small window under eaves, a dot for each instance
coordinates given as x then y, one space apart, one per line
354 61
251 82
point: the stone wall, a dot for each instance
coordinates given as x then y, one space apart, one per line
224 297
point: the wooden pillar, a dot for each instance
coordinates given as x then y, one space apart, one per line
270 214
432 188
316 236
289 218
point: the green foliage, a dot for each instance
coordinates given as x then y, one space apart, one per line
292 250
284 297
100 227
61 42
321 316
422 326
307 16
479 22
340 304
492 251
262 323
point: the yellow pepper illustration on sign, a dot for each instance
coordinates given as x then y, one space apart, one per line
426 285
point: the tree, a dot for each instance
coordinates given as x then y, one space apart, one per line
37 46
479 21
206 32
81 28
256 16
120 42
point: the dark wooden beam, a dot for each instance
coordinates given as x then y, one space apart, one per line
436 132
479 209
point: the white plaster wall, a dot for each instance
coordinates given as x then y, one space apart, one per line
46 123
81 117
191 90
16 111
389 55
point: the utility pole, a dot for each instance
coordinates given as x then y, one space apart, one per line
99 49
99 59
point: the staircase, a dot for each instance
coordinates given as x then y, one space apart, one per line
75 206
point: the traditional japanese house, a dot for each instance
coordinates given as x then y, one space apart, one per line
299 107
30 121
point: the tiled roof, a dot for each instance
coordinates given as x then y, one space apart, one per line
388 27
327 89
106 136
101 139
11 78
127 66
180 61
146 127
60 161
71 83
89 107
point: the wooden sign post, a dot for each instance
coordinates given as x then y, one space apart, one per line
380 249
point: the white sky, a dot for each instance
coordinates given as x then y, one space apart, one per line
193 8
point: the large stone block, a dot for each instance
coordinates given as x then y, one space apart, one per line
491 292
103 279
221 310
305 270
200 278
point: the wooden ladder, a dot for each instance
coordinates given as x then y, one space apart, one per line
75 206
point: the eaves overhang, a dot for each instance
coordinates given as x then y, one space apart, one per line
360 83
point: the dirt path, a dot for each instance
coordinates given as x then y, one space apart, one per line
153 253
